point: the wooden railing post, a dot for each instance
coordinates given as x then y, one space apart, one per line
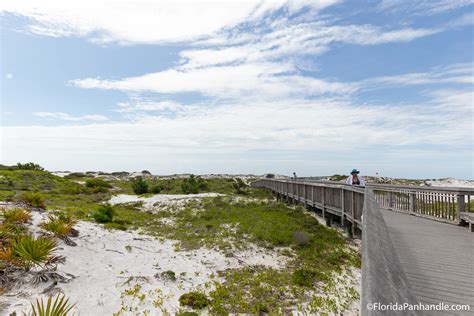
412 202
460 204
342 207
304 196
323 201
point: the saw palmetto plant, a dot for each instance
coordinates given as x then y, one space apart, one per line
60 306
29 251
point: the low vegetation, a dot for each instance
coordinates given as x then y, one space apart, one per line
140 186
16 215
33 199
98 185
60 306
193 185
195 300
240 186
59 224
104 214
27 252
245 216
29 166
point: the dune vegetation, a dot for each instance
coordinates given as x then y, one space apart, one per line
315 273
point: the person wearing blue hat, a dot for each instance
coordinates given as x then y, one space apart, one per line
355 179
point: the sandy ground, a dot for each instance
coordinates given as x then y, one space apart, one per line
103 261
106 263
450 182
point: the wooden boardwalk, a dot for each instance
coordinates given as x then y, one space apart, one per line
413 247
437 258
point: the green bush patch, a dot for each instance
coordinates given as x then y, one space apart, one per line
104 214
195 300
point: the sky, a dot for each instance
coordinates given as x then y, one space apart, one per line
315 87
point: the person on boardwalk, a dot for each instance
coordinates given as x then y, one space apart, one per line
355 179
294 176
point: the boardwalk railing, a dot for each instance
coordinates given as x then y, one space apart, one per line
443 204
333 199
346 202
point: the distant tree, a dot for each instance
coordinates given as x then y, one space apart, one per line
139 186
29 166
269 176
146 172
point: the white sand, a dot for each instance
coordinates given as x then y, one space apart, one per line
102 263
452 183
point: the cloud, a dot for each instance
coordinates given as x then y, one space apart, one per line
459 74
422 7
67 117
463 20
256 130
272 80
145 21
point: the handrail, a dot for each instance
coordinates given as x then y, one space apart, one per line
438 203
383 278
395 186
333 199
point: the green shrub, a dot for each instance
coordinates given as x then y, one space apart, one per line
337 177
29 166
73 188
59 307
307 278
193 185
168 275
139 186
156 188
97 183
105 214
33 199
195 300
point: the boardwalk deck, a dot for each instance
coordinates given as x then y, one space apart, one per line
437 258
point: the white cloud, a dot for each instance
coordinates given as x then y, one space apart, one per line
272 80
67 117
139 105
143 21
329 126
417 7
454 74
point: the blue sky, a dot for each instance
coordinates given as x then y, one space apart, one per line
316 87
